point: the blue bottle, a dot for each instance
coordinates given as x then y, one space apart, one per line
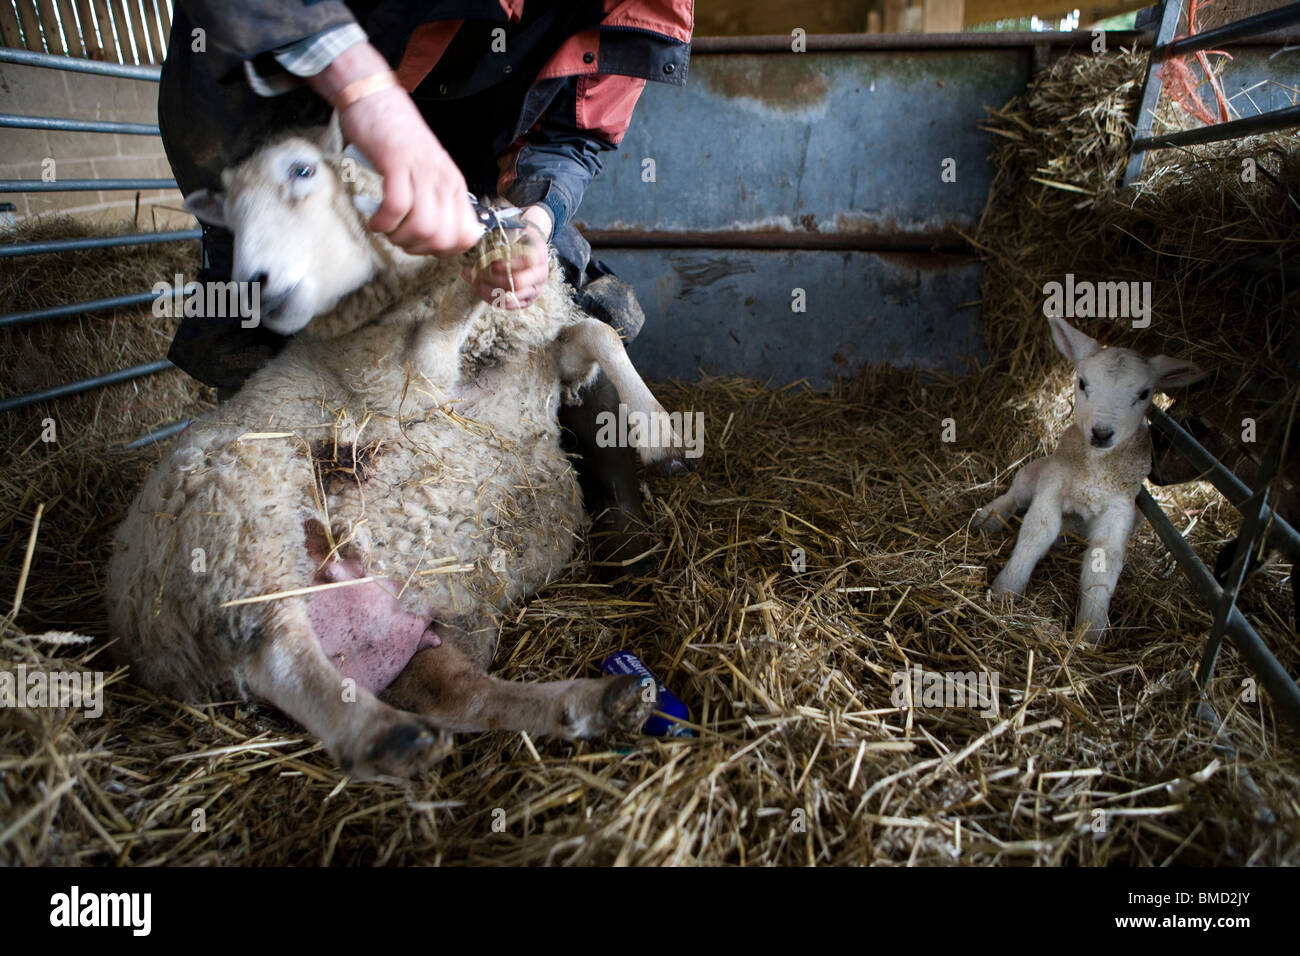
625 662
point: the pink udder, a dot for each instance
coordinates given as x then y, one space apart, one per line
363 628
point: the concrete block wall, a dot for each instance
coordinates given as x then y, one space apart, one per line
43 92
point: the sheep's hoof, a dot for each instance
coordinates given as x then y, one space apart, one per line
986 519
403 747
672 464
612 705
626 705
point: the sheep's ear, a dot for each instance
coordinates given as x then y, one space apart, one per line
365 204
207 207
1175 373
1073 344
351 151
331 138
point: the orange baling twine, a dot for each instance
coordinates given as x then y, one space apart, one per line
1181 82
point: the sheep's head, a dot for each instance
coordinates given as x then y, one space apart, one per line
298 228
1113 387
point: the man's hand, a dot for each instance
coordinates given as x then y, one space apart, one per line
425 209
520 285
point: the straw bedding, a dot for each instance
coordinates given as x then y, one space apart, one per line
802 756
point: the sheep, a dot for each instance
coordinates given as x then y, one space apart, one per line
1094 475
341 538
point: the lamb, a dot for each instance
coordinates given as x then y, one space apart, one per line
341 538
1094 475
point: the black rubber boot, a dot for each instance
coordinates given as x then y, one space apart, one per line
621 543
220 352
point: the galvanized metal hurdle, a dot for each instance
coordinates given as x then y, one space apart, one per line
1262 528
1166 46
15 249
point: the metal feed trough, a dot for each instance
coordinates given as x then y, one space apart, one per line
799 171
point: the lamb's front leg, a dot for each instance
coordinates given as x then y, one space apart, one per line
590 342
367 737
1102 563
1037 532
994 515
446 685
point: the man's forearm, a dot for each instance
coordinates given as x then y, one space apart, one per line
355 63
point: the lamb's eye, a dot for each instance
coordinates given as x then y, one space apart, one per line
1144 394
303 171
1083 385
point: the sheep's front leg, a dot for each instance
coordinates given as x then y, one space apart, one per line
1101 567
1037 532
994 515
366 736
446 685
591 343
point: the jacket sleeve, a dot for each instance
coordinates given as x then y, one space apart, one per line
555 161
250 28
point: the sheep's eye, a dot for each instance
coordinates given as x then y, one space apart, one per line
303 171
1083 385
1144 394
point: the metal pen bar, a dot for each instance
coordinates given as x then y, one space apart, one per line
84 385
12 249
1281 534
1151 85
1246 538
1279 684
64 124
74 64
81 185
161 434
1269 122
76 308
1028 41
1250 26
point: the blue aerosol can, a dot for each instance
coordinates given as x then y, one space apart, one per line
625 662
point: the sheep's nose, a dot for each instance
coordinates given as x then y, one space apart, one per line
1101 435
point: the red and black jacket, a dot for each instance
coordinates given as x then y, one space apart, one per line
528 123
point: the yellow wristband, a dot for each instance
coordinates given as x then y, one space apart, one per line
360 89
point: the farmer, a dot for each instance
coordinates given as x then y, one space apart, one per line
514 98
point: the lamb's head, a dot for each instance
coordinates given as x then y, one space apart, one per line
297 212
1113 387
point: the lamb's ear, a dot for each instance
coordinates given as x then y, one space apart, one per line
1175 373
207 207
1073 344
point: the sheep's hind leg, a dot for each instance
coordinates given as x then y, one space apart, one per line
446 685
591 342
366 736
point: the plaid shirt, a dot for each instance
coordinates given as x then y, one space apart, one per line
302 59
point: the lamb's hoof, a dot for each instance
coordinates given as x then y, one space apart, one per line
986 519
1002 588
1091 629
670 463
404 747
